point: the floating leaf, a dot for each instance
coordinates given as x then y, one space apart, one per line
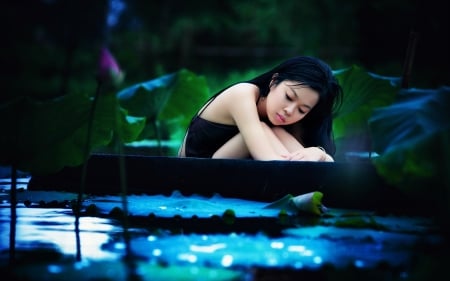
309 203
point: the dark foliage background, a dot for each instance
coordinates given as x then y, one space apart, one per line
50 47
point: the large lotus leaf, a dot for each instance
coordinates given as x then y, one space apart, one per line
172 98
363 92
412 137
130 127
45 136
189 93
147 98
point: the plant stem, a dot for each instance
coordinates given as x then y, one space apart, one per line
84 170
132 275
158 136
409 59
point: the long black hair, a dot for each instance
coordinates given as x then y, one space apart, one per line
316 128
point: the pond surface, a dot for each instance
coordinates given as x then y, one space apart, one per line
197 238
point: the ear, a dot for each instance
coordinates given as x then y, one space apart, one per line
272 81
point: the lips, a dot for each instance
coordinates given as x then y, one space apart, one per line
281 118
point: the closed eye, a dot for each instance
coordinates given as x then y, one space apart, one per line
291 99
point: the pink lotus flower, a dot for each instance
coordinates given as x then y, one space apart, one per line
108 68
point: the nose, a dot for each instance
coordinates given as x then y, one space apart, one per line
289 109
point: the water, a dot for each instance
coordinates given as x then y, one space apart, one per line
53 229
174 237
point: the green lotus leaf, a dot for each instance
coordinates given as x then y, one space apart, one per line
411 137
170 99
363 92
45 136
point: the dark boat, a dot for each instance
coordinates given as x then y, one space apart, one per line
344 184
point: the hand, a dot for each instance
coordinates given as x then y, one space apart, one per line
310 154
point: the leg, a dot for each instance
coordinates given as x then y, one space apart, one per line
181 150
235 148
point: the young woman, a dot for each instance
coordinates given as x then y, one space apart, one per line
283 114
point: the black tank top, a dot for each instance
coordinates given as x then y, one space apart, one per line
204 137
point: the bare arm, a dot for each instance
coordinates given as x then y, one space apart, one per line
260 144
237 106
237 148
297 151
310 154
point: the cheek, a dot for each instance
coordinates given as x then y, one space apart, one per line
297 117
278 99
301 116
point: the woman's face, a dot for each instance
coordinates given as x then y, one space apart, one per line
288 102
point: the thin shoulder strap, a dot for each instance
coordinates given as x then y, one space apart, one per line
206 104
211 99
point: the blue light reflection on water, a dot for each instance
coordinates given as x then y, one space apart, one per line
53 229
243 250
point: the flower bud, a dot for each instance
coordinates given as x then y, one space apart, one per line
108 68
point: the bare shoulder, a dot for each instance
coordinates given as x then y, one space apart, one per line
243 87
239 95
240 91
